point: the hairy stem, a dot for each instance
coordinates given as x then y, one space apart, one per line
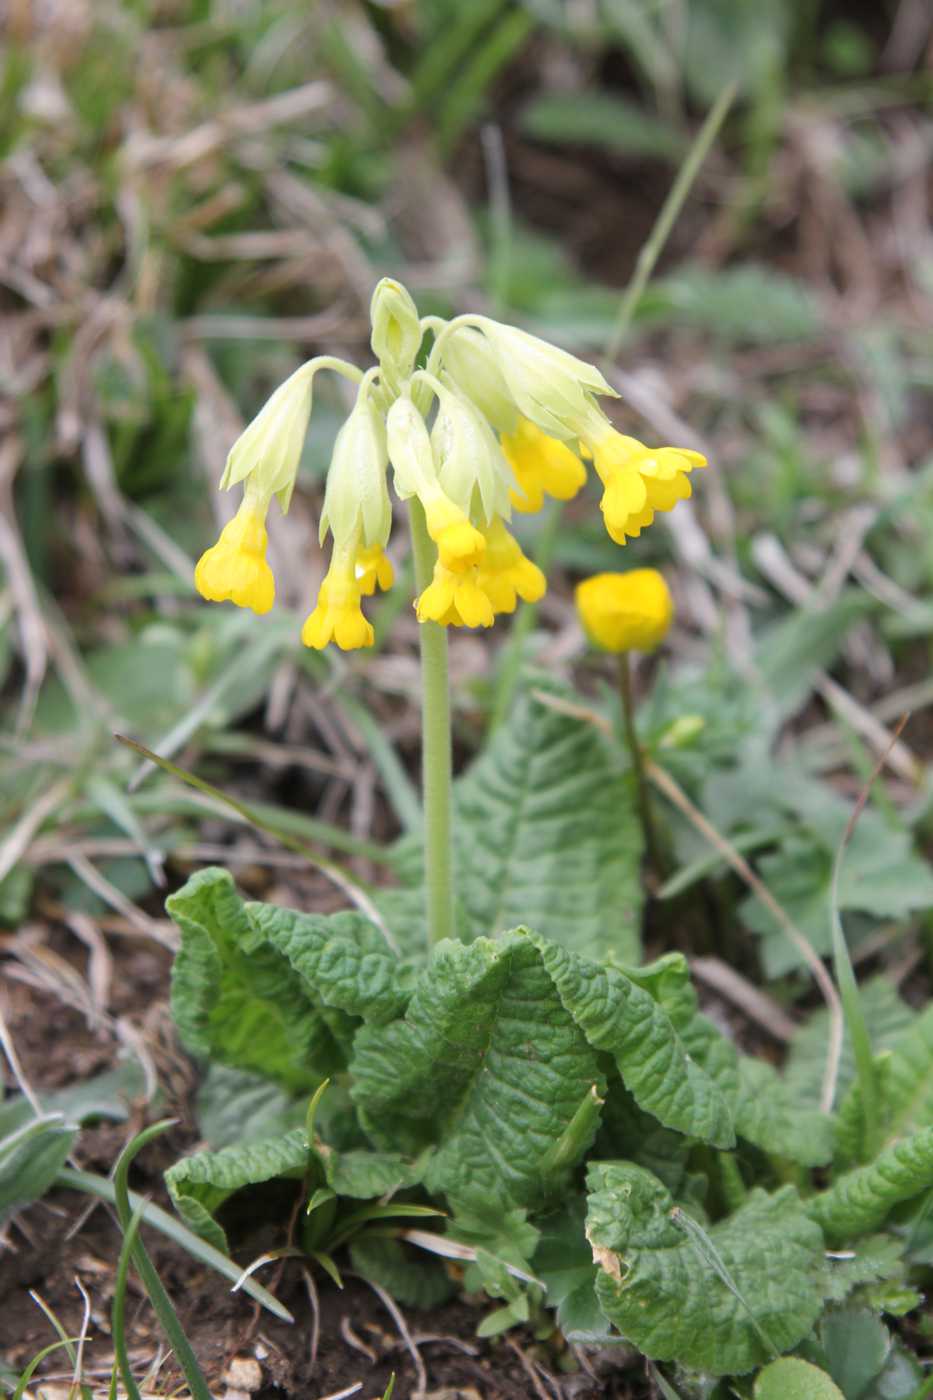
435 746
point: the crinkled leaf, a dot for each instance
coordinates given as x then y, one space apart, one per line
487 1066
274 992
762 1107
876 1259
237 1000
861 1200
200 1184
666 1295
413 1282
364 1175
342 959
622 1018
905 1079
546 835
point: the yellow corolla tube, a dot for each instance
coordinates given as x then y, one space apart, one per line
543 466
338 616
234 569
625 612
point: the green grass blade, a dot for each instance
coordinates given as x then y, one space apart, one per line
173 1229
118 1311
36 1362
145 1268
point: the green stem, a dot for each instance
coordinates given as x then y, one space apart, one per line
436 763
665 221
638 762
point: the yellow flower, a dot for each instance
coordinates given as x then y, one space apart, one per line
455 599
338 616
639 480
372 569
625 612
542 465
235 568
459 544
505 574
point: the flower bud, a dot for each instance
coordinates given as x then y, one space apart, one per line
396 329
269 449
356 498
460 545
625 612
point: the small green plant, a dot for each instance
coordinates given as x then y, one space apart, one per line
493 1042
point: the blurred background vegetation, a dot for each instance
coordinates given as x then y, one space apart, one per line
196 195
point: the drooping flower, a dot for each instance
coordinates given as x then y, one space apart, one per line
543 466
497 419
639 480
337 615
234 569
455 598
505 574
625 612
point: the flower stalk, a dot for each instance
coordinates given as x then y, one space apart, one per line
436 756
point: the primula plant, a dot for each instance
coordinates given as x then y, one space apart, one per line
482 1039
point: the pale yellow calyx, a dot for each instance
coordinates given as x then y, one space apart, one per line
542 465
505 574
268 450
625 612
234 569
455 599
338 616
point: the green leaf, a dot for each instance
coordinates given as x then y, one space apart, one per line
564 1264
886 1016
234 998
792 1379
673 1301
271 991
487 1066
234 1107
762 1108
601 119
621 1017
861 1200
30 1160
364 1175
342 960
546 836
876 1259
200 1184
856 1344
415 1283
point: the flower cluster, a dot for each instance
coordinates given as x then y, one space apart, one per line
495 421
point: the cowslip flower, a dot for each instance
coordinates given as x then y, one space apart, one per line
494 420
625 612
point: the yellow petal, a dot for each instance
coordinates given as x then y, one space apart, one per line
625 612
